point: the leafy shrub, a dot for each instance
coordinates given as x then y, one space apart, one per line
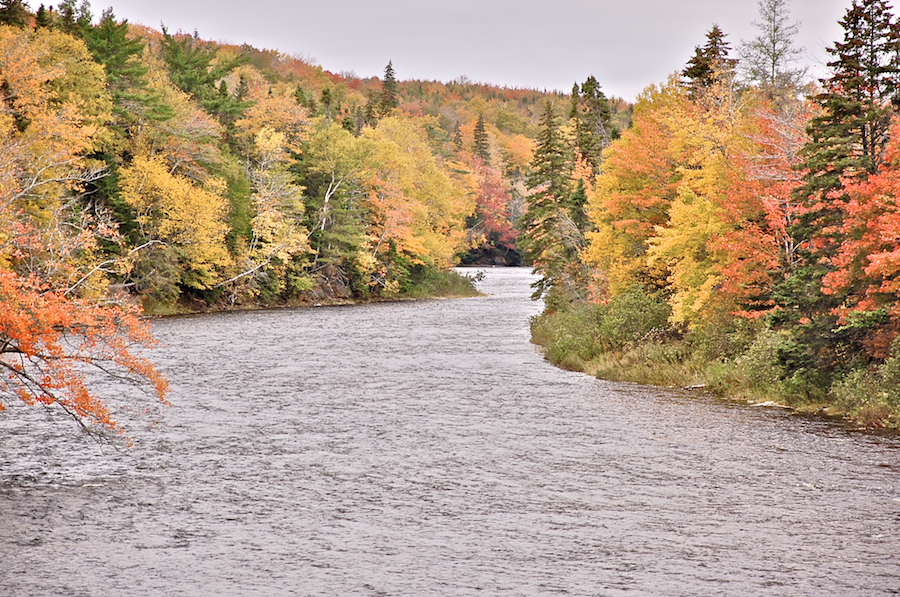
632 316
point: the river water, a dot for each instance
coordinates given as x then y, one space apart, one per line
426 448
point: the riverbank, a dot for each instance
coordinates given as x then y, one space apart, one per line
437 284
738 360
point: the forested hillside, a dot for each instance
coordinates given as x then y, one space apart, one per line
736 228
157 171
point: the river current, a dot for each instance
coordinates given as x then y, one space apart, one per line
426 448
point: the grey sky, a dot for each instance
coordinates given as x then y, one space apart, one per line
626 44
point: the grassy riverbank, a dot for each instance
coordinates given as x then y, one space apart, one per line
630 339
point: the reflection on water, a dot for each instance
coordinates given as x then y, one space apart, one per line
427 449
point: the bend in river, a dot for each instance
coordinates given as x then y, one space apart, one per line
426 448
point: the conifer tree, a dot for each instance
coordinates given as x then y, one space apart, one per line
591 115
120 54
457 137
709 63
14 13
194 70
548 239
74 18
43 18
388 99
482 147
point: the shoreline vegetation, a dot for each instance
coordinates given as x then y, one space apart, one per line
630 341
439 284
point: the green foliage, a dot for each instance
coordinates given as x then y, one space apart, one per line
709 63
194 68
872 395
482 146
429 282
388 100
593 128
14 13
582 332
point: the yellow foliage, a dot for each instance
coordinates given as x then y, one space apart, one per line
658 205
683 245
416 206
274 108
173 210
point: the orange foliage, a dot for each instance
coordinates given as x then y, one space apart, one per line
46 336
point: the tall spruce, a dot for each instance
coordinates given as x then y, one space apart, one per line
482 146
43 18
14 13
548 239
120 54
590 114
709 63
859 98
388 100
193 68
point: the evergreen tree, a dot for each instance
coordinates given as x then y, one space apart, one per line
74 18
192 69
457 137
43 18
482 147
388 99
548 239
14 13
859 98
120 54
709 63
767 59
591 116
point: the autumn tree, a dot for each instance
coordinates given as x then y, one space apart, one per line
56 320
847 145
183 221
333 166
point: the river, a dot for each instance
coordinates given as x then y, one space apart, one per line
426 448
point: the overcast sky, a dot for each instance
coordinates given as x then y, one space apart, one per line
626 44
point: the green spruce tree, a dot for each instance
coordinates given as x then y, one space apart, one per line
590 115
548 240
43 18
14 13
709 63
482 145
388 100
193 69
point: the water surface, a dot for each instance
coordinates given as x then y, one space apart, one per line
426 448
